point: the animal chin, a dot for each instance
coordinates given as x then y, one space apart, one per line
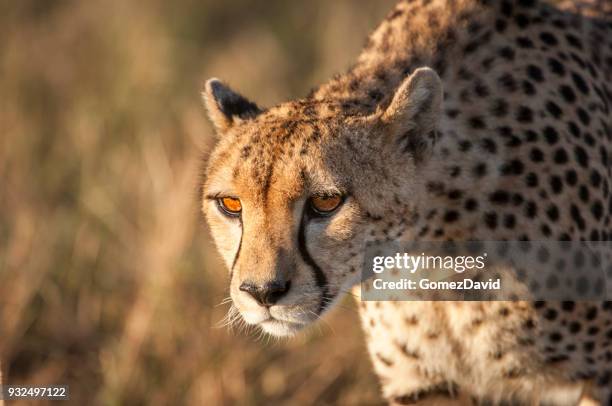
281 328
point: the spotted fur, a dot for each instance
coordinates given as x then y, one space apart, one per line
506 136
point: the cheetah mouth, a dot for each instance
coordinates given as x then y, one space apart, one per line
286 320
288 324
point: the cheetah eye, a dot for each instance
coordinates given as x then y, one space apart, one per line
324 205
230 206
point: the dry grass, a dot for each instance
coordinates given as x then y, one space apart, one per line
108 280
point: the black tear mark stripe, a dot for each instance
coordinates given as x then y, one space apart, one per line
320 277
239 249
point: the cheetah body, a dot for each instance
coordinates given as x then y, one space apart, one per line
518 148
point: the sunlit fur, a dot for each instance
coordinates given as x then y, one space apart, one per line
413 164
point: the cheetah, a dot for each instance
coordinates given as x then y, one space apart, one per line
460 120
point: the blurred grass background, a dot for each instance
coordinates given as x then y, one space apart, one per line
108 278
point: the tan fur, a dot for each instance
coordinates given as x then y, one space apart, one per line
505 151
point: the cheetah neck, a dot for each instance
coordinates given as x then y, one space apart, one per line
413 35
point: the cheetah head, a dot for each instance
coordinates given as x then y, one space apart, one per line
292 193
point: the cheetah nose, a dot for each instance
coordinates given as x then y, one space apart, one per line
267 294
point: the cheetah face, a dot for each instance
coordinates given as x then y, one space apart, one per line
292 193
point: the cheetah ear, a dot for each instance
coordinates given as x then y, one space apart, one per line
413 115
225 106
